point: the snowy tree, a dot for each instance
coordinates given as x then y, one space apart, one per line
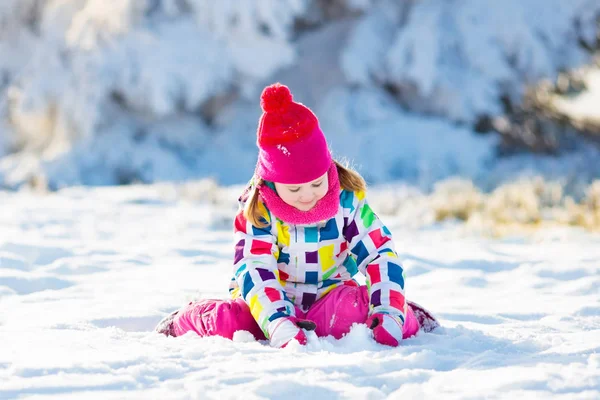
96 67
115 91
458 58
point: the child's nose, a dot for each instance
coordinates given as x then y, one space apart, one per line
305 195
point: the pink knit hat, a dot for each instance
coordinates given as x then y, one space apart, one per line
291 147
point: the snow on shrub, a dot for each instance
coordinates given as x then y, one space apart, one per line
457 58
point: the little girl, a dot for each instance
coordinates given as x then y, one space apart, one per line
303 230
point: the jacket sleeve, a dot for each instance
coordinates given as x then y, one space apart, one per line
256 272
371 243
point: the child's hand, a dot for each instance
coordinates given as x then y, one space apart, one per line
284 330
387 329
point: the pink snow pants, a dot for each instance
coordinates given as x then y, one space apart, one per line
334 315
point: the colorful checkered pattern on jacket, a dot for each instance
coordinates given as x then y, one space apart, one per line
284 265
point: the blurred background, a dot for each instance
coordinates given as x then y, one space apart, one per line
480 111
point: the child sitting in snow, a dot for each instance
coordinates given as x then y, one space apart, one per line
304 229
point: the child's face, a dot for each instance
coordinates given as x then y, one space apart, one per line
303 196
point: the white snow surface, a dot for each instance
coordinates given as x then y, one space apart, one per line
85 274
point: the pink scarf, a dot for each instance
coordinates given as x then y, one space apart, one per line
325 208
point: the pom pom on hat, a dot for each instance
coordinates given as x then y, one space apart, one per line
276 98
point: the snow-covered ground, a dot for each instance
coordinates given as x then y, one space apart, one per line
85 274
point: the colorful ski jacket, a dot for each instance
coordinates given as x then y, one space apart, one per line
283 265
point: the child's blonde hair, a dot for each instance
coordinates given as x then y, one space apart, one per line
349 180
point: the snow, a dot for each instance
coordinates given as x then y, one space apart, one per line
387 144
86 86
456 59
583 107
107 92
85 274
